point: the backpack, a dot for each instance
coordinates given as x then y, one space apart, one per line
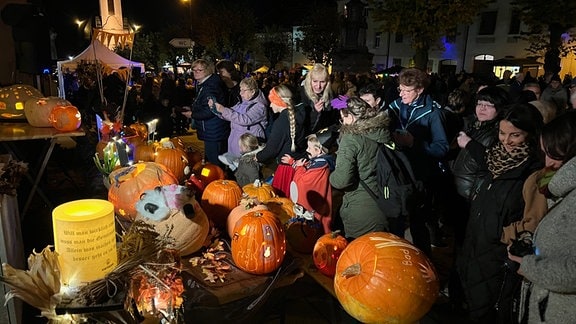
398 190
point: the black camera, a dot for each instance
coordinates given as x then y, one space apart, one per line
522 245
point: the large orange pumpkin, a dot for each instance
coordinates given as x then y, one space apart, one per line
186 223
260 190
218 200
37 110
65 118
247 204
128 183
258 243
327 251
381 278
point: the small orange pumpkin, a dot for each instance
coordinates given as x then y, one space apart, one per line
65 118
381 278
327 251
143 153
259 243
282 207
247 204
141 130
208 172
218 200
175 160
128 183
260 190
302 231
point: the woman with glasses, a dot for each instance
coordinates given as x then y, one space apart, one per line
247 116
488 280
417 125
210 128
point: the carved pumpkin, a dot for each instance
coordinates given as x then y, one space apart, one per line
218 200
258 242
327 251
37 110
128 183
141 130
381 278
65 118
281 206
208 172
260 190
172 209
13 99
175 160
302 231
247 204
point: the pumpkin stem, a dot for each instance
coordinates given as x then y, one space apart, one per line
335 233
257 183
351 271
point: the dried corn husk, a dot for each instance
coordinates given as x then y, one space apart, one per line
40 285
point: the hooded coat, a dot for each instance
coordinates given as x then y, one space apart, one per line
355 161
552 269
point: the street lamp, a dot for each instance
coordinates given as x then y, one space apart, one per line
189 2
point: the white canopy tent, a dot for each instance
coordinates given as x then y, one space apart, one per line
96 51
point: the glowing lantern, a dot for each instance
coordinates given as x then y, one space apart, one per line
85 239
12 99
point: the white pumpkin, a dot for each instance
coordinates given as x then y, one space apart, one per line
173 209
37 110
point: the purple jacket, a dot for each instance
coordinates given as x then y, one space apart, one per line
246 117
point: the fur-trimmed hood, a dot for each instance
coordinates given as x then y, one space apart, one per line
375 128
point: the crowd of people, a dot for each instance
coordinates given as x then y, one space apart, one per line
495 157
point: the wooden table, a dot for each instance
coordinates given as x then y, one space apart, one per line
12 133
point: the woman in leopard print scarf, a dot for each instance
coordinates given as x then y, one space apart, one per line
487 282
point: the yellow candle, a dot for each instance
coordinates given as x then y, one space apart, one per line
85 239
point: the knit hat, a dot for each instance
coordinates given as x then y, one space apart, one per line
328 136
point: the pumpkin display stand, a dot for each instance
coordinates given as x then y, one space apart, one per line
237 297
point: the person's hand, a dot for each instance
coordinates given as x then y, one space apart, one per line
286 159
463 139
187 113
514 258
319 106
219 108
300 162
404 139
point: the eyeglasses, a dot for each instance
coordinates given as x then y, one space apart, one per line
485 105
198 70
244 90
400 90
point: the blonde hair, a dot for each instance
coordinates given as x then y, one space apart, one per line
207 65
320 71
249 141
286 95
315 142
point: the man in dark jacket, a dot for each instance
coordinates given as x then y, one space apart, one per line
417 125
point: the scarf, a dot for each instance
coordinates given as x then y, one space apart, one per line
500 161
544 181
